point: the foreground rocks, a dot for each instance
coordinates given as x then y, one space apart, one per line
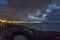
10 31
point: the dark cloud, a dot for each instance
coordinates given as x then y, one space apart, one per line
21 8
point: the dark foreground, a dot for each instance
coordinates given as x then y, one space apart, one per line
10 31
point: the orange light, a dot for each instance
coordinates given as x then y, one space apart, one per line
2 20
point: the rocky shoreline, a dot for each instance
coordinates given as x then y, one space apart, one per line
31 34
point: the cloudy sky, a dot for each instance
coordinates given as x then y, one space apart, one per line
19 9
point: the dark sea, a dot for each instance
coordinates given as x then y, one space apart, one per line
44 26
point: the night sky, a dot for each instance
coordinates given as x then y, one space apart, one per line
19 9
